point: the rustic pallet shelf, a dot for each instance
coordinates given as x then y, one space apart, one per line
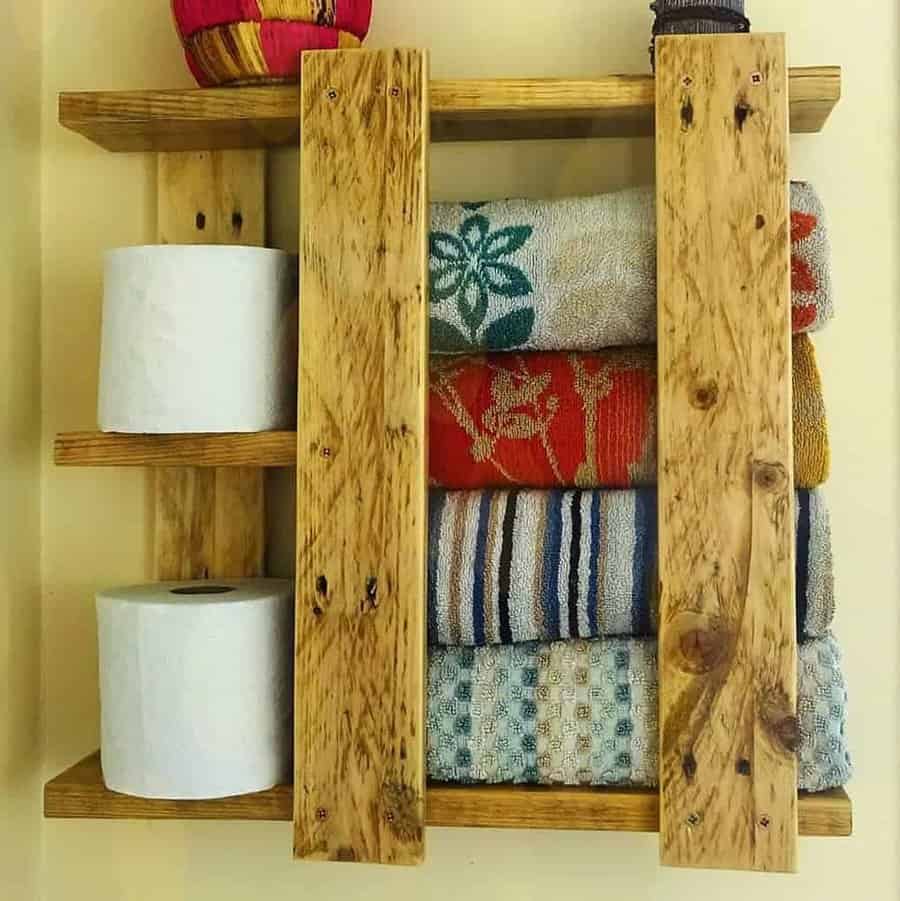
366 113
266 449
79 793
484 110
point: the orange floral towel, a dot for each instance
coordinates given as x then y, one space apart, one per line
587 420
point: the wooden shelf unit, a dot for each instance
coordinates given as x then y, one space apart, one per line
483 110
209 148
79 793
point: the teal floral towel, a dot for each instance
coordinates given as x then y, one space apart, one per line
585 713
578 273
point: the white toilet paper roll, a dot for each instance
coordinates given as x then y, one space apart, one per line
198 339
196 687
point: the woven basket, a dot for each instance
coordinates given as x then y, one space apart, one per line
254 41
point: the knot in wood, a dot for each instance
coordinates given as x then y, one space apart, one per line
702 650
769 476
689 766
705 395
787 731
779 720
742 112
687 114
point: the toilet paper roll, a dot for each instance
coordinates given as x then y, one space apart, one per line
196 687
198 339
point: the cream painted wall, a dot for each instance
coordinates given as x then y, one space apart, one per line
94 521
20 425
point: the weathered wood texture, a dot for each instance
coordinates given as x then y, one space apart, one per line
361 467
503 109
79 792
728 664
208 522
266 449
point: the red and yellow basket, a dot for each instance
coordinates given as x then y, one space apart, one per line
253 41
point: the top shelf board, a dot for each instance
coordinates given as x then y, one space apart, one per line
492 110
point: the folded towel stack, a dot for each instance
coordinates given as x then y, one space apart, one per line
542 558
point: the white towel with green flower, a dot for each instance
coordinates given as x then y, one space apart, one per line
577 273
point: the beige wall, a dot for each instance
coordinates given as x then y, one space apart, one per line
94 521
20 402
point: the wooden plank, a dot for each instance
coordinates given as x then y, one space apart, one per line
361 468
266 449
499 110
208 522
79 793
728 664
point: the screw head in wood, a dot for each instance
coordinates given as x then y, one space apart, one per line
321 814
694 820
764 822
332 93
757 78
687 81
395 91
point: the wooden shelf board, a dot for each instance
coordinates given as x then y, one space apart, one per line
499 109
79 793
115 449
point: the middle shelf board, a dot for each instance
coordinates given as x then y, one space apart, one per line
79 793
267 449
471 110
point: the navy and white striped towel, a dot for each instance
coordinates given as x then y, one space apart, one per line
511 566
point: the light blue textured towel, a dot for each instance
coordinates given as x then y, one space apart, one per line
585 713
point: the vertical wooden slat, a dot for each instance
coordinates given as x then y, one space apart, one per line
361 467
728 667
209 522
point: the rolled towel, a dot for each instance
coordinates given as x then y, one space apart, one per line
585 713
578 420
579 273
513 566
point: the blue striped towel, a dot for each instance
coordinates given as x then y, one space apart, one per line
513 566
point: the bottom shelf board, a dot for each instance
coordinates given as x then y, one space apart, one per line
79 793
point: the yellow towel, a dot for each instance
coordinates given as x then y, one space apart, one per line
812 455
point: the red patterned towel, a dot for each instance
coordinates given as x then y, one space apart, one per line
587 420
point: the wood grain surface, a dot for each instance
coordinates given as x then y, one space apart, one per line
79 793
208 522
728 657
361 459
482 110
265 449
